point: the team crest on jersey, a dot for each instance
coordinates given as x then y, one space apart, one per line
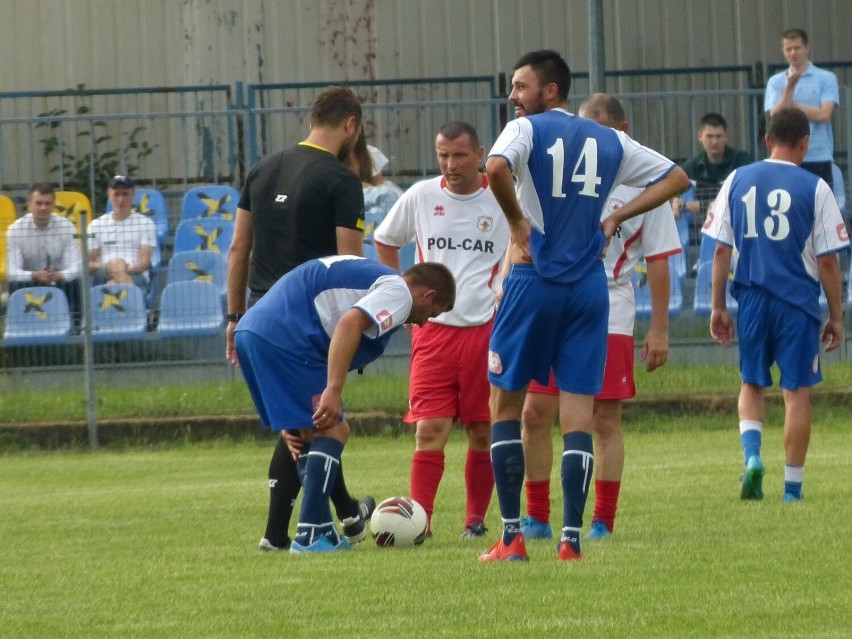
614 205
485 223
439 210
841 232
385 319
710 217
495 365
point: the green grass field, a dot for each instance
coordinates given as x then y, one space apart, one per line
162 543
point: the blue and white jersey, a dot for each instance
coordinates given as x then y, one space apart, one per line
778 218
565 167
300 312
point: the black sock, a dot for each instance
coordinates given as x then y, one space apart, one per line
284 486
345 505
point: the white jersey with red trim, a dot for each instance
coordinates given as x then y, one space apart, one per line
652 235
466 233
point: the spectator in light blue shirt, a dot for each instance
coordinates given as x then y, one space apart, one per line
811 89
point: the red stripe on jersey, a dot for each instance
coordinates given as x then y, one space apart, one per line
662 256
616 271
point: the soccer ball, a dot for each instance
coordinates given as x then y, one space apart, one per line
399 522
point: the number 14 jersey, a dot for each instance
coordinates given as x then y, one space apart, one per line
565 167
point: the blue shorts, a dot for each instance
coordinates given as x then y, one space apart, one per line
542 324
772 330
284 388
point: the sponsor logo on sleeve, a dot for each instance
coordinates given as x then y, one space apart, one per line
384 319
841 232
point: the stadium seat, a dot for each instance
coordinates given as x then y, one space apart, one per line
204 234
151 202
118 312
37 315
191 308
204 266
703 301
406 255
210 200
7 217
642 292
74 205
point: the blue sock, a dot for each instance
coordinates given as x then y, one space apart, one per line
793 478
301 463
507 458
578 464
750 435
321 466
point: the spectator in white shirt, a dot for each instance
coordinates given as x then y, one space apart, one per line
42 248
121 243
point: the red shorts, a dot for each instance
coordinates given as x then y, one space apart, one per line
618 372
449 373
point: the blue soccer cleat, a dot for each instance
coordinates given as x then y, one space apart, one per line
532 528
599 530
792 497
753 479
323 544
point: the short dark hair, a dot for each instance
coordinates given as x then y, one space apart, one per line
607 103
788 126
792 34
713 119
45 188
453 130
437 277
548 67
333 105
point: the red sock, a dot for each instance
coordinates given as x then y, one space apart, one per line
427 468
606 502
538 500
479 485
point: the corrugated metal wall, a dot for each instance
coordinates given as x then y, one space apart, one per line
57 44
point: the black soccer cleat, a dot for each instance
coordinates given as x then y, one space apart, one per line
355 528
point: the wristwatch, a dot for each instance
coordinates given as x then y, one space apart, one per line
234 317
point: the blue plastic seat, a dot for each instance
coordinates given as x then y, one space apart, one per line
191 308
210 200
642 292
703 301
118 312
37 315
205 266
204 234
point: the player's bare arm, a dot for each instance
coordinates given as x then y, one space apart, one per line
238 266
655 349
387 255
829 274
344 343
350 242
721 324
503 187
674 183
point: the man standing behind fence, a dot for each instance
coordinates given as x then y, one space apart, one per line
811 89
299 204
